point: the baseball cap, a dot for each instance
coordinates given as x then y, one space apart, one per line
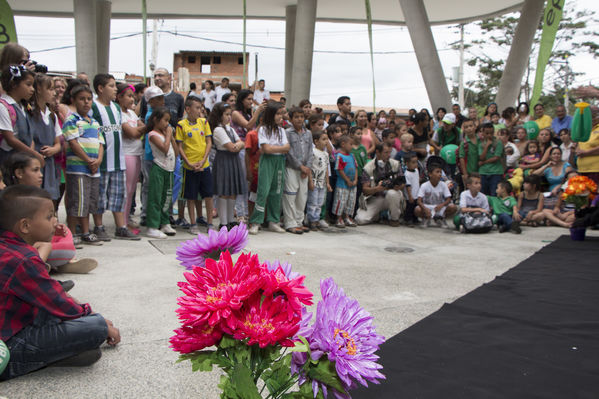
153 91
449 119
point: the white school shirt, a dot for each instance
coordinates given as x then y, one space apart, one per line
413 180
166 162
273 139
131 147
5 122
468 201
432 195
220 92
220 137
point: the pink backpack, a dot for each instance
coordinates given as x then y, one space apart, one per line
11 112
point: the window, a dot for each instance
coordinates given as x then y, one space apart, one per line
240 60
216 60
205 60
191 59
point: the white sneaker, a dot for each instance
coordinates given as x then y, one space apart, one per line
253 229
155 233
323 224
274 227
168 230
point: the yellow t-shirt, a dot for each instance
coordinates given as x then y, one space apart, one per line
544 122
193 138
589 164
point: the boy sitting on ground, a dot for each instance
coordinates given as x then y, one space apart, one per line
39 322
503 207
434 199
472 201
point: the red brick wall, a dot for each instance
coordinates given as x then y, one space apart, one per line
229 67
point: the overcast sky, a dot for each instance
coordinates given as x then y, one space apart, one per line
398 80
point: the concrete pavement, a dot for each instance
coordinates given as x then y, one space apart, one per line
398 274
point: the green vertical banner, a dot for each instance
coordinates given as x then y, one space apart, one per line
8 32
369 20
551 19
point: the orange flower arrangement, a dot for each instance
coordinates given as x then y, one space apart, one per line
579 191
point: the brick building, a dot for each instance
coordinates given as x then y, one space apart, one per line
204 65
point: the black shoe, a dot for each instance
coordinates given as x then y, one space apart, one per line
66 285
142 221
516 227
503 228
83 359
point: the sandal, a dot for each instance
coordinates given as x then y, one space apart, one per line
295 230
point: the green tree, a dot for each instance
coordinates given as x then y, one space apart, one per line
489 53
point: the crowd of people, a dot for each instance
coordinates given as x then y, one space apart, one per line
232 157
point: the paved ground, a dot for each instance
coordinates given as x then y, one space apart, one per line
399 274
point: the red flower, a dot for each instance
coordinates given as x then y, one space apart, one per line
294 292
264 321
213 292
191 339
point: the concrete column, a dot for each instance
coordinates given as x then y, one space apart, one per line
426 52
517 60
86 36
301 74
103 13
290 12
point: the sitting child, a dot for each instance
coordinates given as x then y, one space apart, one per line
472 200
39 322
563 213
412 187
434 199
529 210
531 154
503 207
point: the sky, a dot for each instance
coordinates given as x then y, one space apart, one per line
398 80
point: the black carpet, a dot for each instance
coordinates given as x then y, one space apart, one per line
533 332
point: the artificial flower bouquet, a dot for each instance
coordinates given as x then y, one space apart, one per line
580 191
254 314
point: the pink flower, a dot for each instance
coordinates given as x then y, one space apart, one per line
280 281
191 339
264 321
213 292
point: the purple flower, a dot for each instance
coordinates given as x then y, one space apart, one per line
342 331
195 252
291 275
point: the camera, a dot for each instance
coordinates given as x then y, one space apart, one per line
39 68
391 180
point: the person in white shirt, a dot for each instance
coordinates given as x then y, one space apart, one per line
222 89
434 199
208 95
261 94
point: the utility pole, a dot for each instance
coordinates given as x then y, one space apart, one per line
154 49
461 70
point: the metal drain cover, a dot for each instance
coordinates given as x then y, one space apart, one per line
399 250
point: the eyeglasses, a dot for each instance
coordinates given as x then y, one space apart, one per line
16 71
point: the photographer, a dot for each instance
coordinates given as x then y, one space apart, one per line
382 181
14 54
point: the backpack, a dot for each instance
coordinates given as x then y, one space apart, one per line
12 113
477 223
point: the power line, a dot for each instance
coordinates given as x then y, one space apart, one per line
239 44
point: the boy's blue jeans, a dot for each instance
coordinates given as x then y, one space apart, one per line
50 339
503 219
314 206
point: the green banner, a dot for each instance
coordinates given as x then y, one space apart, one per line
551 20
369 21
8 32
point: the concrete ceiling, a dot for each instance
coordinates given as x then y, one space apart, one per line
383 11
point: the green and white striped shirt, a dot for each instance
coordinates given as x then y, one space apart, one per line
110 119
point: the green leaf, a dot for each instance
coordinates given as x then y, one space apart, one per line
203 361
278 378
228 342
243 383
228 392
325 372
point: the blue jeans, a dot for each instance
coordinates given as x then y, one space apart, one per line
50 339
314 206
503 219
489 183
